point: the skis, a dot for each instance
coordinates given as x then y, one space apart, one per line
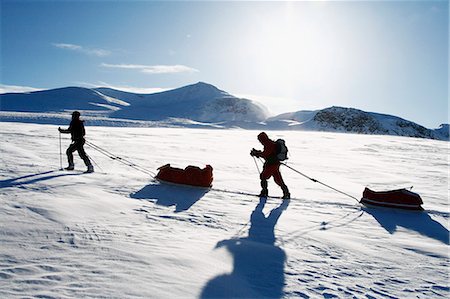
79 171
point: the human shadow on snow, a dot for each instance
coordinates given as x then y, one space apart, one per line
258 264
420 222
171 195
34 178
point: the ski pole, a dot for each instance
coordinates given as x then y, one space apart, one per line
257 167
60 153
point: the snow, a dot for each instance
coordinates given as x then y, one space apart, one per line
60 99
117 233
201 103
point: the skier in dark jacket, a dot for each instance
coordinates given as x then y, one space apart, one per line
271 166
76 130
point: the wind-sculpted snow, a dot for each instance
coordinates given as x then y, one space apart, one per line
117 233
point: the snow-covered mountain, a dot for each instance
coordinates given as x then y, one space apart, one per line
350 120
197 105
60 99
442 132
199 102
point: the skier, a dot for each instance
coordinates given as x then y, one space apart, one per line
76 129
271 165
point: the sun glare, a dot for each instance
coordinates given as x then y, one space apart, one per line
296 50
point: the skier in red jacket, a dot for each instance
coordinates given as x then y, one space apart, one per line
271 165
77 132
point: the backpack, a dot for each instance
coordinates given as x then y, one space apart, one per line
282 150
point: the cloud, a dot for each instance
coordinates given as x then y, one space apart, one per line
153 69
17 89
127 88
275 104
81 49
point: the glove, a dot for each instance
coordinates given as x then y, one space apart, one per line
253 152
59 129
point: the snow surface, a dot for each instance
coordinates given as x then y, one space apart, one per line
117 233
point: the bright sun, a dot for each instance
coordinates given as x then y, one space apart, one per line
292 48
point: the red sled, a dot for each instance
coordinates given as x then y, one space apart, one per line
398 199
191 175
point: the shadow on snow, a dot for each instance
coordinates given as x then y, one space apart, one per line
420 222
171 195
258 267
34 178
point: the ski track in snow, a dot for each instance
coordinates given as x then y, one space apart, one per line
117 233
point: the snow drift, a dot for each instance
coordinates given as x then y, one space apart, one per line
117 233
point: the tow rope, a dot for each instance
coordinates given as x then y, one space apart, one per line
120 159
137 167
322 183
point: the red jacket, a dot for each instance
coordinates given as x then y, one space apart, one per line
269 152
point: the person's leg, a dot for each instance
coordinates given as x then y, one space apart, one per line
265 175
83 155
264 191
279 180
69 153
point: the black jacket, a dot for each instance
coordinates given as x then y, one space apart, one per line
76 130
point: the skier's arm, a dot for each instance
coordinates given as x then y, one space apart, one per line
255 153
65 131
266 153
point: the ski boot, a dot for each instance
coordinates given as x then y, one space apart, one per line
90 169
264 193
286 194
70 167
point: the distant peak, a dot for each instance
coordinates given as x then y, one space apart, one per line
203 85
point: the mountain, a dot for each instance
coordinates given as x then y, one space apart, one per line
443 132
197 105
60 99
128 97
350 120
199 102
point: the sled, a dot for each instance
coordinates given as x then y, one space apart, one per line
190 176
397 199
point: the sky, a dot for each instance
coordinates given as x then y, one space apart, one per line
379 56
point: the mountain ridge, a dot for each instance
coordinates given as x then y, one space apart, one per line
202 103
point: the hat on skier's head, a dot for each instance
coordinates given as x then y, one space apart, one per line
262 137
76 114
